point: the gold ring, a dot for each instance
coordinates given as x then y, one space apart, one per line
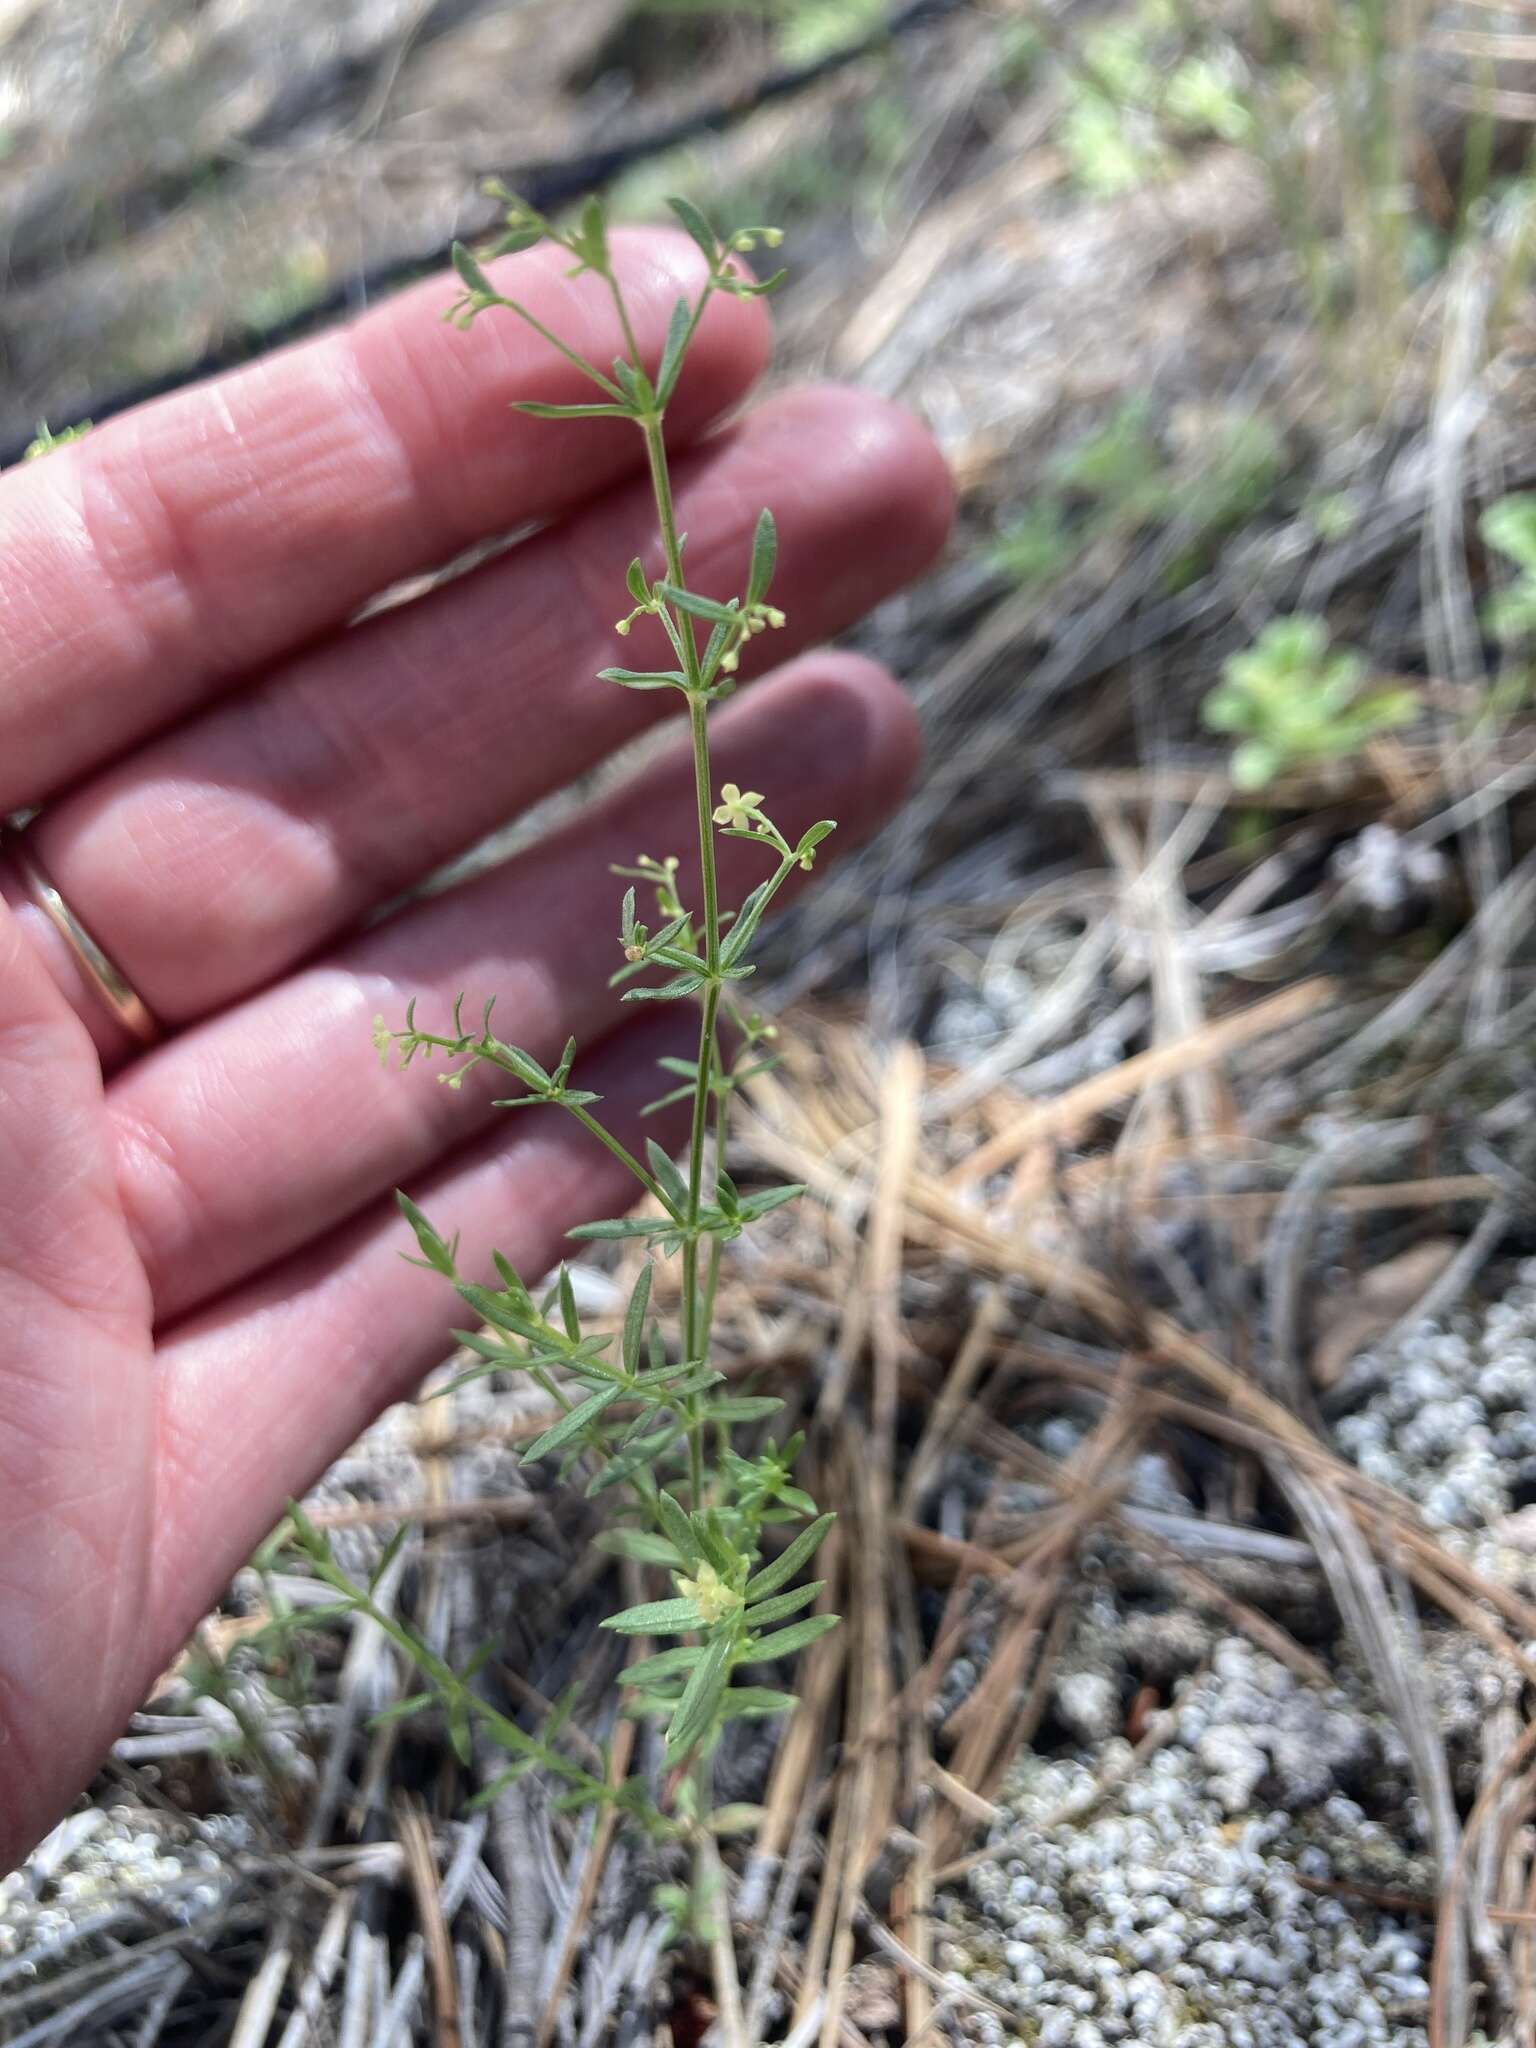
113 987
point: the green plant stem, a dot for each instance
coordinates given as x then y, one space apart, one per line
573 356
626 326
624 1156
695 1324
712 1275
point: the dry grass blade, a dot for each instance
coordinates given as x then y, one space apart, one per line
421 1866
1166 1062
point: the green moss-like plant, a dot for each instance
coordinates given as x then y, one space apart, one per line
1295 701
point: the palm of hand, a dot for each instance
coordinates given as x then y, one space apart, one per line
201 1294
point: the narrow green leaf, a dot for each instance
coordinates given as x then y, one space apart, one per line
679 1527
638 1458
643 1545
537 410
673 956
681 1378
643 679
684 1094
788 1640
669 991
748 918
593 234
783 1568
754 1702
722 639
489 1794
458 1732
699 607
672 354
571 1426
695 1715
614 1227
480 1658
511 1280
490 1348
470 273
665 1664
516 240
568 1314
634 1319
647 1706
780 1606
634 384
655 1618
744 1408
667 1173
765 553
309 1539
390 1552
492 1308
577 1800
524 1065
401 1710
763 1202
560 1713
697 226
634 577
438 1255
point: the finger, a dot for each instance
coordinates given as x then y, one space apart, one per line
272 1122
183 544
217 857
75 1409
261 1393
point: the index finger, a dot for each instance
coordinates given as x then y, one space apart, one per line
177 548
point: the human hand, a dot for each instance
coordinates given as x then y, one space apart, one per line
201 1294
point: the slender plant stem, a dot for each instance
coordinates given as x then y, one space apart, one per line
571 355
626 326
695 1322
698 1305
712 1274
624 1156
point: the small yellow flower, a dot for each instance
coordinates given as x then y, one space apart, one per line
736 806
383 1039
710 1594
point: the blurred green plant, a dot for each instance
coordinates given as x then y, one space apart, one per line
1130 99
1509 526
804 31
1118 480
1297 701
45 440
1036 547
846 167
